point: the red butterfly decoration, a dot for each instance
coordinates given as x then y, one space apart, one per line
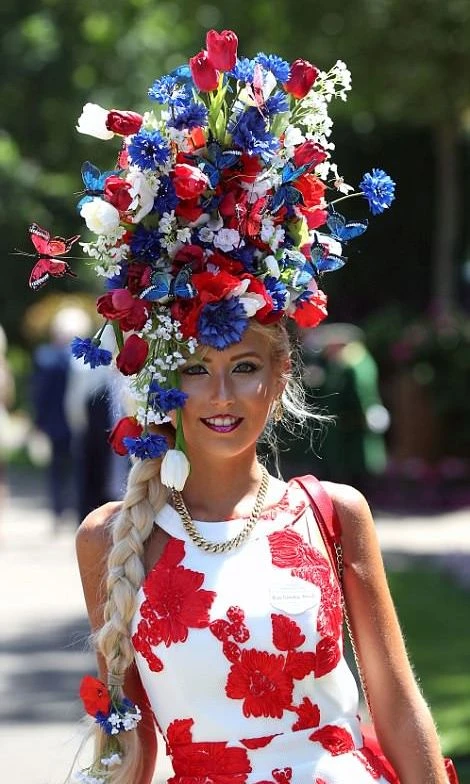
47 250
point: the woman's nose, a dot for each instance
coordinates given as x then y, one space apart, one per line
221 389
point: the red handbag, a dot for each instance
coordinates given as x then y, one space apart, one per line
330 529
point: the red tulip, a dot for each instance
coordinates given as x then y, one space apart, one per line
120 305
309 152
301 79
205 76
132 356
189 181
123 123
116 191
222 49
127 427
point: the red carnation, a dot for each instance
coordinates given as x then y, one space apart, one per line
120 305
116 191
189 181
132 356
127 427
123 123
311 312
205 76
309 152
311 188
94 696
222 49
301 79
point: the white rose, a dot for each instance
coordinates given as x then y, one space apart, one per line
227 239
174 469
92 121
252 303
100 216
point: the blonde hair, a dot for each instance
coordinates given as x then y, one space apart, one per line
145 496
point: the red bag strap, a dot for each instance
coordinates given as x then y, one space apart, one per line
326 516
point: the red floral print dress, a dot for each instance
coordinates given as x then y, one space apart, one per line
241 656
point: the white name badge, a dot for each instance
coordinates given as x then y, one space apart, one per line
294 597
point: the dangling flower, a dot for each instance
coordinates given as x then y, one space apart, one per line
147 447
93 121
174 469
91 352
379 190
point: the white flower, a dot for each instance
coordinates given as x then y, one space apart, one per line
82 777
292 137
174 469
272 266
143 194
92 121
100 216
205 234
112 761
227 239
250 301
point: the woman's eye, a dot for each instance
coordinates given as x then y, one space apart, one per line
194 370
245 367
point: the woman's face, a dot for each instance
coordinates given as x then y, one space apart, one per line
230 395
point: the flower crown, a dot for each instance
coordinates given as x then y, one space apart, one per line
217 212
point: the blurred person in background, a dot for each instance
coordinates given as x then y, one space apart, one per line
51 369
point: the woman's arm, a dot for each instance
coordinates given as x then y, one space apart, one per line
402 720
93 542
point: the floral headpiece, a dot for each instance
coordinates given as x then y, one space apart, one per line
218 211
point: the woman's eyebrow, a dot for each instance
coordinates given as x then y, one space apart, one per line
236 357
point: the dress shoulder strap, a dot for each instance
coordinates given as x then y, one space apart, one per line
326 516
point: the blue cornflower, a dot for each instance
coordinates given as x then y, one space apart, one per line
192 116
278 67
169 90
166 199
91 352
148 150
244 70
249 133
167 399
103 720
147 447
379 190
222 323
118 281
146 243
245 254
276 104
277 290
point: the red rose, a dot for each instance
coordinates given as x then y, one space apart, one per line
222 49
190 254
189 210
301 79
311 312
127 427
205 76
94 696
189 181
116 191
138 277
311 188
132 356
123 123
309 152
120 305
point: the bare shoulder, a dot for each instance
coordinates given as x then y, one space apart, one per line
93 536
357 525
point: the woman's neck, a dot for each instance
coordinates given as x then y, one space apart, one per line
221 489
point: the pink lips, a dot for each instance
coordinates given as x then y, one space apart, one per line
222 424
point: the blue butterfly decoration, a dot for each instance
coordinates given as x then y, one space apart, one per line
166 287
342 230
324 261
287 193
93 181
220 160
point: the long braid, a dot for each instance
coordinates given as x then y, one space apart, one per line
145 496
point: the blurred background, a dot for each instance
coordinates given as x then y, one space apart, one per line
393 364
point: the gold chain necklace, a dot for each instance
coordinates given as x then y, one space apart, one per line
230 544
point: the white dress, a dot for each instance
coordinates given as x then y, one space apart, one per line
241 656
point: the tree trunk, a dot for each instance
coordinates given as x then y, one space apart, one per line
446 219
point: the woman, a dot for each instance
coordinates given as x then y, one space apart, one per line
216 610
